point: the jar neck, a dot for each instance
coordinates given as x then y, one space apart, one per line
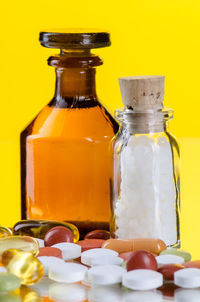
145 122
75 82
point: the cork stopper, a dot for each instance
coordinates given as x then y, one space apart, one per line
142 92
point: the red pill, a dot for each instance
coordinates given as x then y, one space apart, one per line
98 234
141 260
126 255
88 244
58 234
50 251
194 263
168 270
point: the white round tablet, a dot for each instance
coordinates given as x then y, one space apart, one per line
69 250
87 256
99 293
142 279
40 242
105 274
68 272
42 287
3 269
187 277
142 296
106 259
169 259
185 295
67 292
49 262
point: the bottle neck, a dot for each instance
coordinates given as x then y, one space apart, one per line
144 122
75 83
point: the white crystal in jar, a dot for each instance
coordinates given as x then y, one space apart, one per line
147 203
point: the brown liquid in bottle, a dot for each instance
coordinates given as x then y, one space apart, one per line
67 153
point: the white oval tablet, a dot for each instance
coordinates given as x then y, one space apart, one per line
169 259
87 256
187 295
67 292
40 242
49 262
105 274
142 279
187 277
69 250
68 272
106 259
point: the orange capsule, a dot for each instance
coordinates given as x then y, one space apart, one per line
151 245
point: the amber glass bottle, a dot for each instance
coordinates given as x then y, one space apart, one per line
66 153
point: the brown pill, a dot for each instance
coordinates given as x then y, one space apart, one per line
141 260
155 246
194 263
90 244
98 234
168 270
58 234
50 251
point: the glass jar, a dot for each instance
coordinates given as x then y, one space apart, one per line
146 188
66 159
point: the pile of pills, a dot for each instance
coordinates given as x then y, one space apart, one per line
55 265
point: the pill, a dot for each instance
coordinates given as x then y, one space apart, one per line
68 272
29 295
10 297
42 287
142 279
39 228
141 260
9 282
89 255
169 259
4 232
98 234
187 277
105 274
109 293
187 295
177 252
58 234
90 244
67 292
155 246
142 296
69 250
48 262
24 243
3 269
168 270
194 263
106 259
50 251
24 265
40 242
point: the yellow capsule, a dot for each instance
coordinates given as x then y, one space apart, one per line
4 232
29 295
24 265
24 243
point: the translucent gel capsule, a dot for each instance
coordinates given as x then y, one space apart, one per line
4 232
24 243
24 265
29 295
39 228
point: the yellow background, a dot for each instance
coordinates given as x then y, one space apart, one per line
148 37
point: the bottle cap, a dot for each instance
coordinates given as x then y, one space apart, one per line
142 92
74 39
